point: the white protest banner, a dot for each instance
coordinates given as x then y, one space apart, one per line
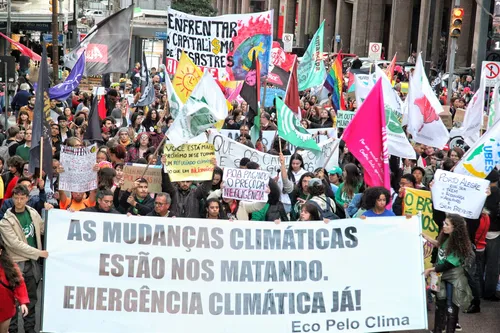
222 44
132 171
228 153
344 118
244 184
78 164
319 134
459 194
110 273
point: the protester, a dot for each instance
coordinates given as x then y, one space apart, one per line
454 250
375 201
13 289
21 229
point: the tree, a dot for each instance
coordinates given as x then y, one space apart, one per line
195 7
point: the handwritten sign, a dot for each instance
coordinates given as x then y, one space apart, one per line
132 171
78 175
419 201
244 184
459 194
189 161
344 118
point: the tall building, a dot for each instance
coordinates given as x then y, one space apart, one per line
350 25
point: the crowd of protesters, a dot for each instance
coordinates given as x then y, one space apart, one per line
133 134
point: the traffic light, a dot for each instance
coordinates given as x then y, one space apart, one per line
457 16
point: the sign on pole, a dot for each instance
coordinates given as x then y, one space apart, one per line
375 51
491 70
287 42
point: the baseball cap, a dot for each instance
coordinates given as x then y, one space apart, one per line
335 171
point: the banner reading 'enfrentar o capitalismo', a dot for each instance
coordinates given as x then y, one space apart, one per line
111 273
222 44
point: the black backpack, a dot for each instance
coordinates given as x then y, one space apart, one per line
328 212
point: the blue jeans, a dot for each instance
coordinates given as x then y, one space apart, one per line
449 294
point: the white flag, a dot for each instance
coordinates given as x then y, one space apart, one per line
174 102
473 115
363 85
494 110
424 123
398 143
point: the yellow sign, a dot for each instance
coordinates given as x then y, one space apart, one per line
189 161
186 77
419 201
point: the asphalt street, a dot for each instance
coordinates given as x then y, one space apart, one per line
488 321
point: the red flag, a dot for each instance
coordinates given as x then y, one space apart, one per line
23 49
366 138
292 99
390 69
101 108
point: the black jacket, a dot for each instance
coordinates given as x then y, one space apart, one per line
142 208
96 209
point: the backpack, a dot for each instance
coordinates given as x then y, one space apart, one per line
328 212
4 151
276 212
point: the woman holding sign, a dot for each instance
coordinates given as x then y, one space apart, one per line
454 251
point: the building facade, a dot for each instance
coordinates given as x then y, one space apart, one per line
350 25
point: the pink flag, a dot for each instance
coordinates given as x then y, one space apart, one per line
23 49
366 138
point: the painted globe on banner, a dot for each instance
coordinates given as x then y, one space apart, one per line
244 53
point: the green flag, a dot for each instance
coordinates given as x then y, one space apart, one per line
311 70
290 129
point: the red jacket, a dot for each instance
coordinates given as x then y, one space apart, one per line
484 226
8 297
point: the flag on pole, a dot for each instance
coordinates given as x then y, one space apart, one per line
106 46
250 92
186 77
93 131
23 49
64 89
292 97
335 82
205 106
290 129
494 115
363 85
41 128
397 141
390 69
366 138
483 156
174 102
311 71
473 119
147 88
424 123
101 107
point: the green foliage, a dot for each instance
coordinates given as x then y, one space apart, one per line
195 7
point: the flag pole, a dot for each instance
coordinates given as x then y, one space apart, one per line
154 154
333 151
41 157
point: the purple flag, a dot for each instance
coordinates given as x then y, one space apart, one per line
63 90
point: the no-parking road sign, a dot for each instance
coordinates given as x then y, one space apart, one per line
491 72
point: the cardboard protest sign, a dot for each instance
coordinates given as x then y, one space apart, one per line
220 276
189 161
244 184
459 194
132 171
344 118
419 201
78 175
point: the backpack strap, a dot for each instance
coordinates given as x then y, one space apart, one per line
7 286
327 201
